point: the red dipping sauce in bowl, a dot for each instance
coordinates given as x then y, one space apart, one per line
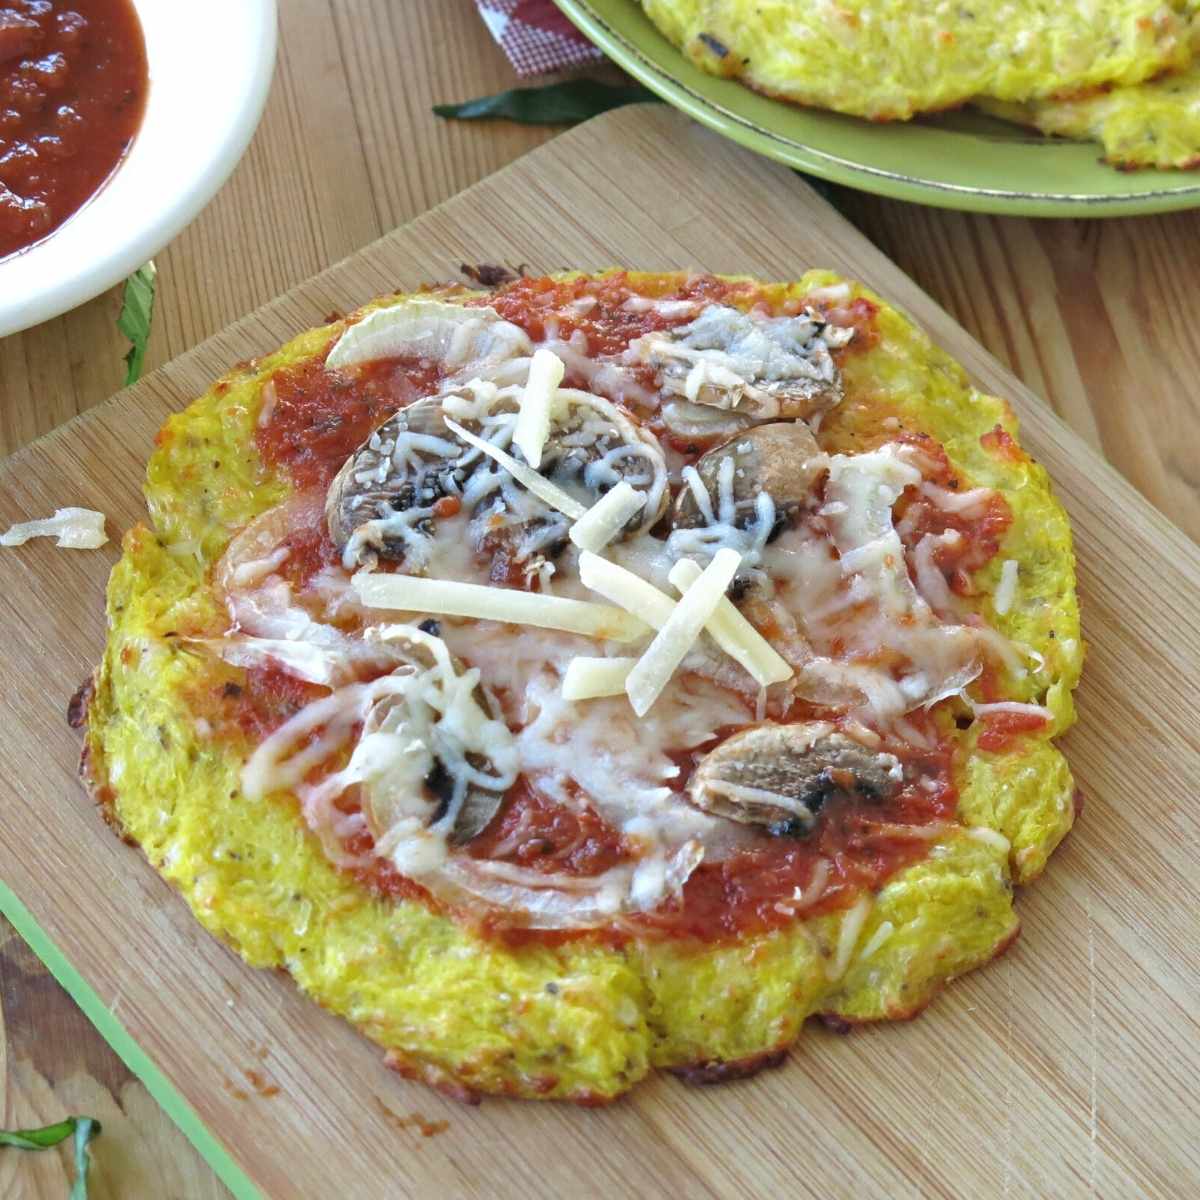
73 84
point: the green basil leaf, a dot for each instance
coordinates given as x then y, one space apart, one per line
137 311
38 1139
555 104
84 1129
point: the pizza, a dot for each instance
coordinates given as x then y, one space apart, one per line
567 677
1122 73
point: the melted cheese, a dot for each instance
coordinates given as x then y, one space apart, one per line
75 529
1012 706
459 337
723 526
414 594
411 717
849 584
876 941
736 360
672 642
330 658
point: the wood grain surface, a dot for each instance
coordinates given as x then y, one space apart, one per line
1063 1070
1094 316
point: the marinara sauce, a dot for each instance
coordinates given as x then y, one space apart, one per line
73 83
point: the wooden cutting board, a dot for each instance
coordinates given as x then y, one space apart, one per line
1067 1068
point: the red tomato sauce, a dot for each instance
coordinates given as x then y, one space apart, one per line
319 417
982 529
73 83
1001 729
265 698
531 831
750 892
1001 444
537 304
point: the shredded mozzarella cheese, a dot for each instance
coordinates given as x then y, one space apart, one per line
849 932
539 485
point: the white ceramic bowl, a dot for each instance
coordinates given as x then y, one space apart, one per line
210 70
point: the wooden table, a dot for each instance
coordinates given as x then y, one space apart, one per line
348 148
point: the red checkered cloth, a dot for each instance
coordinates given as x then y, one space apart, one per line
536 37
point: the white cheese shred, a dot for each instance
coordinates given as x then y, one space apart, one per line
1006 589
876 941
849 933
416 594
590 678
664 654
734 634
607 517
75 529
990 837
539 485
626 589
535 413
1011 706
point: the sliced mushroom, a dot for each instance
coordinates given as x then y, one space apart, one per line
435 778
779 776
381 502
781 459
764 367
701 424
464 339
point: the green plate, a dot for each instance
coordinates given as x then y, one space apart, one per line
957 160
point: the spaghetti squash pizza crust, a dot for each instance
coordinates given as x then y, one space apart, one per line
595 674
890 59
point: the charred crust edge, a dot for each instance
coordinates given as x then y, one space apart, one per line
80 702
491 275
101 794
705 1074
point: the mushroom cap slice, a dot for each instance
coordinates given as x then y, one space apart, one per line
779 776
781 459
765 367
381 500
461 338
403 466
444 791
701 424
